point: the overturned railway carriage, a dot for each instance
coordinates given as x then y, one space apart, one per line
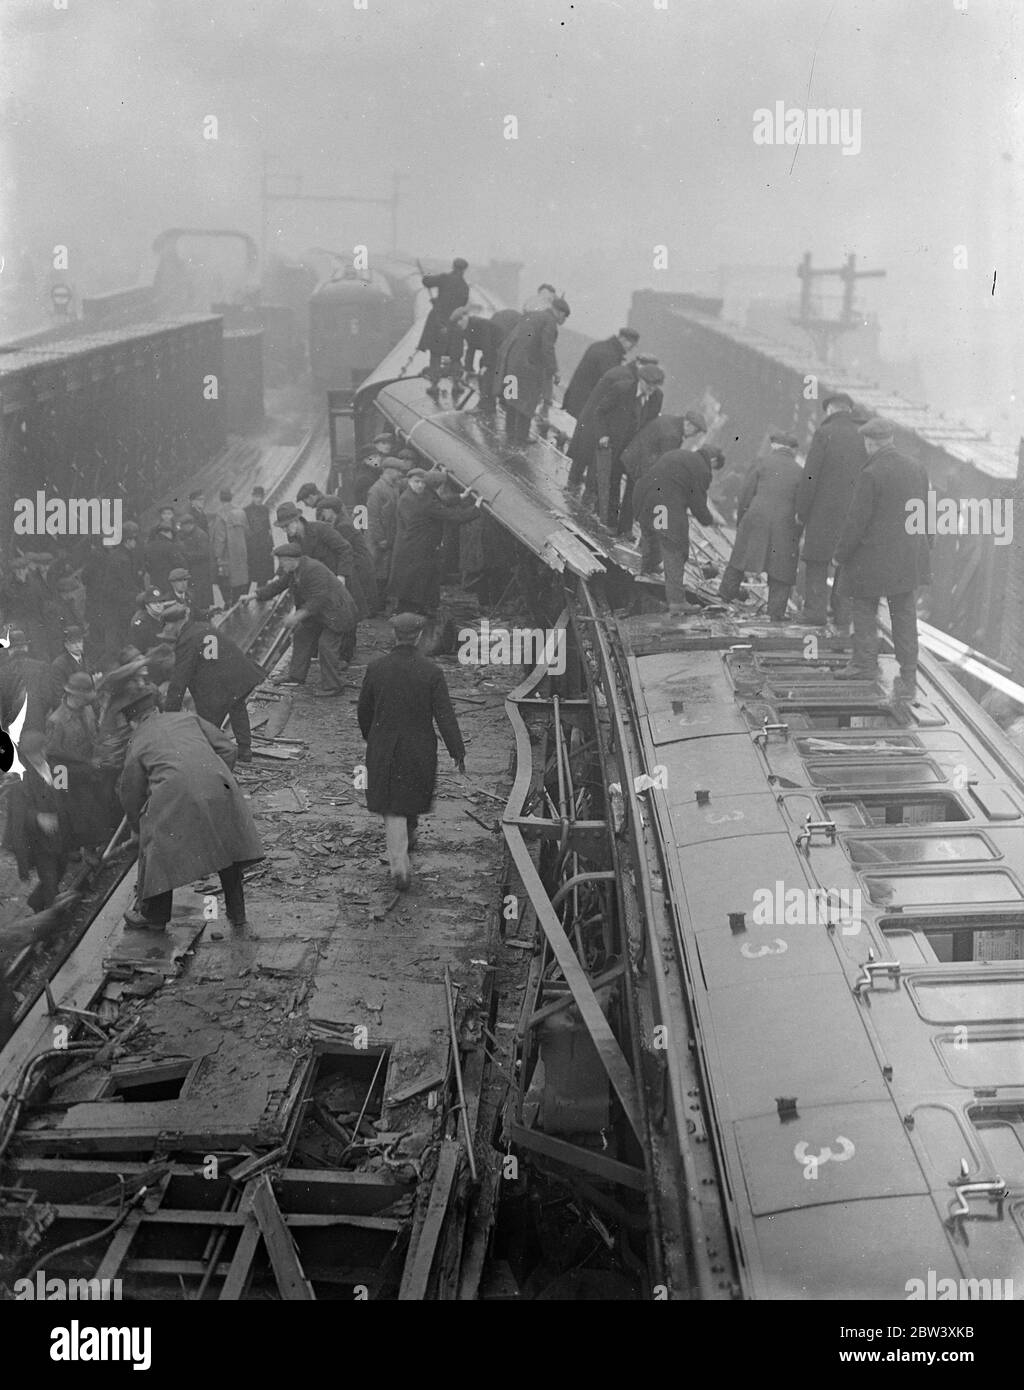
804 1020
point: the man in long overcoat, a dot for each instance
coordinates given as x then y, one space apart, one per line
599 358
659 436
415 580
403 696
528 368
215 670
163 552
451 293
37 831
883 555
229 531
767 533
474 337
260 540
618 409
331 511
22 678
71 739
324 618
382 516
664 498
322 542
835 461
112 576
178 793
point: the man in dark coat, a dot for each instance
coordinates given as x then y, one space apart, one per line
22 678
617 410
331 511
71 661
415 580
382 517
163 553
322 542
112 576
178 793
71 739
452 293
324 618
36 831
528 368
260 541
183 591
585 436
197 511
215 670
767 534
664 497
883 554
27 604
835 461
478 341
147 620
403 695
599 358
660 436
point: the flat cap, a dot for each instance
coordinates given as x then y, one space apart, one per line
876 428
335 504
290 551
697 420
73 633
173 613
837 398
80 683
408 624
645 359
287 511
785 439
179 574
416 473
630 334
654 376
561 305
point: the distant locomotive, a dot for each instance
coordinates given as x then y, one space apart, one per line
355 319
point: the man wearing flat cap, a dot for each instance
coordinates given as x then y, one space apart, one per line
403 696
421 516
835 461
767 533
382 516
324 619
322 543
195 546
881 558
527 368
599 358
216 672
180 797
625 400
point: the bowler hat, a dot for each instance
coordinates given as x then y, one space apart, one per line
290 551
876 428
145 699
408 624
80 683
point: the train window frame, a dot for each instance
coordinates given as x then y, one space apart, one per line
980 973
917 924
994 1111
897 833
945 871
883 798
835 770
946 1045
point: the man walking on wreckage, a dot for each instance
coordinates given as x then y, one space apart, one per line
403 696
180 797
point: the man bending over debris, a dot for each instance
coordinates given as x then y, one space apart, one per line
178 793
403 695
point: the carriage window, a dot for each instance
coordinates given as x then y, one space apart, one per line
919 849
846 717
906 772
893 810
984 937
979 1000
1001 1131
824 747
983 1062
934 890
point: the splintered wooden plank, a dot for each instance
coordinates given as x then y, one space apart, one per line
284 1256
245 1251
420 1261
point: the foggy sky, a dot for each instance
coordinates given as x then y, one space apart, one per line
634 130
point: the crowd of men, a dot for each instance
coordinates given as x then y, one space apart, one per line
644 473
